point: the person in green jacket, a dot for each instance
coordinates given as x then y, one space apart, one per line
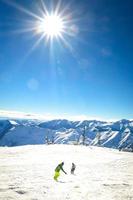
57 171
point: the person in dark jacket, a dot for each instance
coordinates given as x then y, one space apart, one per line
57 171
73 168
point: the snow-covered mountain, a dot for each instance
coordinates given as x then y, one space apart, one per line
15 132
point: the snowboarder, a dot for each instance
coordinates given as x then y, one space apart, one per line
57 171
73 168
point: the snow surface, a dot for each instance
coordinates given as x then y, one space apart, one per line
26 173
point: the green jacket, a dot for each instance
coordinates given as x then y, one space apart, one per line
59 167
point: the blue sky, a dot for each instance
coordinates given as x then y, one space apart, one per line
92 75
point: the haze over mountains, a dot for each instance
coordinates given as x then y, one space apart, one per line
15 132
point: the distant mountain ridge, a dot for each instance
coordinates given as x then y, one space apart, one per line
15 132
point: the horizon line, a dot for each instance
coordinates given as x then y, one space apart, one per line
47 116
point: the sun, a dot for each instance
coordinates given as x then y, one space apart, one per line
52 25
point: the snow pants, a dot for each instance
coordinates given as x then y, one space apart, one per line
57 174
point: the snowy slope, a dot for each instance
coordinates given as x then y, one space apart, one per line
5 126
14 132
101 174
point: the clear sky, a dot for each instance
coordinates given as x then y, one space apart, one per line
87 71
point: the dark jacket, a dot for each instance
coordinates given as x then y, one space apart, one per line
60 167
73 168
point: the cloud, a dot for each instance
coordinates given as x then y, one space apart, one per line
86 117
48 116
21 115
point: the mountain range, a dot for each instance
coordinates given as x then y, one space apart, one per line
16 132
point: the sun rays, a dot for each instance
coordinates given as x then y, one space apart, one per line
47 24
